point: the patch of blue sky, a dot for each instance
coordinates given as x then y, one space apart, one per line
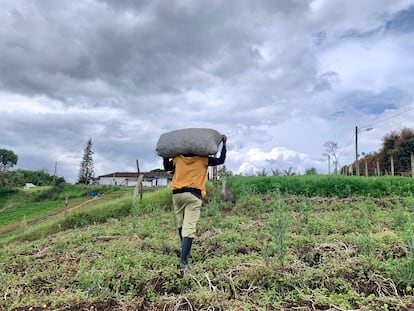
376 103
403 21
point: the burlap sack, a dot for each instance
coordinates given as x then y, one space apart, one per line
200 141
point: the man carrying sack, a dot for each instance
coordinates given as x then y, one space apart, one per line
189 187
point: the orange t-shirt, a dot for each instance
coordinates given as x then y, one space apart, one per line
190 172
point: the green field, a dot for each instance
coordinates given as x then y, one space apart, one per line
25 207
287 243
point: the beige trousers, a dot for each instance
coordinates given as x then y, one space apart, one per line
187 208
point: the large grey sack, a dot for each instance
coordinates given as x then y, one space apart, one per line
200 141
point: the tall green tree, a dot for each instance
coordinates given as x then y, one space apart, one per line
86 171
396 151
8 159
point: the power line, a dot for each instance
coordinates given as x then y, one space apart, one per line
387 119
350 141
372 124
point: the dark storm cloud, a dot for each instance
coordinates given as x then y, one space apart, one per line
123 71
151 48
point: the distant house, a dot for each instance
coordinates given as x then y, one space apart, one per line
128 179
29 185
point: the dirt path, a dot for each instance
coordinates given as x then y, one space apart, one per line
17 225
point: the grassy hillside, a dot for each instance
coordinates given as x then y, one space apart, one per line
272 250
23 208
18 203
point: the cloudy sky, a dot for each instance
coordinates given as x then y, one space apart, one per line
279 78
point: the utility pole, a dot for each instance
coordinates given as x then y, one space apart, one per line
356 152
356 147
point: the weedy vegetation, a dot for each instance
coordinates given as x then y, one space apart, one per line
287 243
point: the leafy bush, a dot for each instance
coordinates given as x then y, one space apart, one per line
8 191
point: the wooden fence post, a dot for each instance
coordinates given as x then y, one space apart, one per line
138 187
215 175
66 205
223 178
366 167
412 164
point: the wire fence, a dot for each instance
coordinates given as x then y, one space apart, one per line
379 166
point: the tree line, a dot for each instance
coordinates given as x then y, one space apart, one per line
396 157
18 178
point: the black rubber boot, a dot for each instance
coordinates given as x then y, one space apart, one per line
185 252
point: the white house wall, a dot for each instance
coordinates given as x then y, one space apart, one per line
122 181
161 182
117 181
146 183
